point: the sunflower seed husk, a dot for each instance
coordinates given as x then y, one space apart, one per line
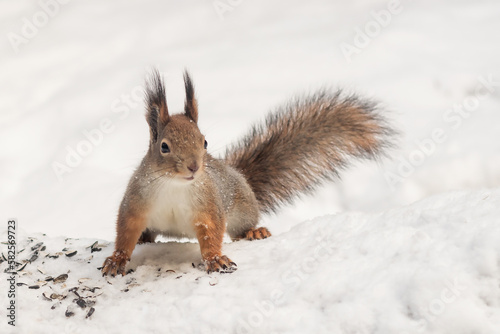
22 267
38 245
80 302
75 291
33 257
91 311
57 296
61 278
71 253
94 247
69 313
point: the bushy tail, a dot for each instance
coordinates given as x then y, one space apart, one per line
308 141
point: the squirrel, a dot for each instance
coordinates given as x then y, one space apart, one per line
180 190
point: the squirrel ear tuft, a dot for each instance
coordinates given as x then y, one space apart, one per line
156 104
191 105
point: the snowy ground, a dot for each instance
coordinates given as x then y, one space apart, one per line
434 65
431 267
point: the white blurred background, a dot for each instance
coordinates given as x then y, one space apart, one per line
68 66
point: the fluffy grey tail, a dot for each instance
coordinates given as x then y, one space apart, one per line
306 142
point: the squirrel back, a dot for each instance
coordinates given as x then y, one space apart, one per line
306 142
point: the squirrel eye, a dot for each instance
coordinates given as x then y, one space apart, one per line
206 144
164 148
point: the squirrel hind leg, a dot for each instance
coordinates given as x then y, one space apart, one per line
254 234
147 236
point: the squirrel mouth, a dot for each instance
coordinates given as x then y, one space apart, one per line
191 178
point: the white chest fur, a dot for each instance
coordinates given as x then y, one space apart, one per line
172 210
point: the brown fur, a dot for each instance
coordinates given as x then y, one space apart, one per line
306 142
210 232
180 188
129 229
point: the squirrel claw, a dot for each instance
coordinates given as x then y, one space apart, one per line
115 264
221 264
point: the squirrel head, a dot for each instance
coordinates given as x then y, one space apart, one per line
177 147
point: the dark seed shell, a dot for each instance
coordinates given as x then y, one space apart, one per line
94 248
75 291
57 296
33 257
22 267
89 314
38 245
61 278
71 253
80 302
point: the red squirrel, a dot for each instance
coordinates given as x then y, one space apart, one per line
180 190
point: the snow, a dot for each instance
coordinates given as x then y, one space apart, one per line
77 83
430 267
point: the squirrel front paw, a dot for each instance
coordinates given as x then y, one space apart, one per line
115 264
221 264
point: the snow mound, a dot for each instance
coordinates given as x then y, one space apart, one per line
431 267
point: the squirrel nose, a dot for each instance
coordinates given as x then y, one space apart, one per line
193 167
